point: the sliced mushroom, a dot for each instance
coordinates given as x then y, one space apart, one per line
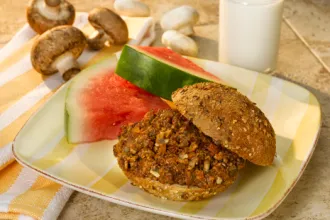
57 50
131 8
43 15
181 19
180 43
109 27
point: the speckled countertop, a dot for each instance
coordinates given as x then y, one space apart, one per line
302 63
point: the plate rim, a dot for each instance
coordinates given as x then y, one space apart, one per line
134 205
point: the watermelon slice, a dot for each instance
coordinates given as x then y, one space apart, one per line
99 102
159 70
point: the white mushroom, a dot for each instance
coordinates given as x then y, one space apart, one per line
57 50
131 8
181 19
43 15
180 43
109 27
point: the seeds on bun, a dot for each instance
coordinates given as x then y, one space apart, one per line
230 119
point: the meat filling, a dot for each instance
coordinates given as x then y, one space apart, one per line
166 147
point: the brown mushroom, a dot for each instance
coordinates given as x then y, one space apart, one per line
109 27
43 15
57 50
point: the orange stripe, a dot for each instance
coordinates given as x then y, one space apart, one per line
17 55
8 133
36 200
3 166
8 176
11 216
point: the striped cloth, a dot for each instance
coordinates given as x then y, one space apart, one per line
23 193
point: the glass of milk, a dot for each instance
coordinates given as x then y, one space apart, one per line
249 33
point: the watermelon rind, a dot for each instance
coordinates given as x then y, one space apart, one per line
153 74
73 111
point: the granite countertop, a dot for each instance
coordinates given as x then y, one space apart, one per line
304 62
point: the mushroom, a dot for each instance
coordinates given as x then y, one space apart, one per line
57 50
131 8
180 43
109 27
43 15
181 19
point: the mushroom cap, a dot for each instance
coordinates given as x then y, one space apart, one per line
39 23
111 23
230 119
179 17
53 43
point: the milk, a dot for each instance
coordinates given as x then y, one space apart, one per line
249 33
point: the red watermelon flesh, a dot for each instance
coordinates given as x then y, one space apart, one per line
176 59
110 102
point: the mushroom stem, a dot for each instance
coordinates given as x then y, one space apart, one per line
48 11
67 65
186 30
97 39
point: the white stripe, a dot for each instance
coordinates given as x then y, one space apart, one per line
20 38
16 70
273 99
25 217
29 100
47 148
146 41
6 153
24 181
148 25
57 203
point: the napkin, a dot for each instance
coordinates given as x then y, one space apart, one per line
23 193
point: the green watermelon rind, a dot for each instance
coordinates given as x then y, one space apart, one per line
154 74
72 108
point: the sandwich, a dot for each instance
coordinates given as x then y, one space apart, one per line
197 149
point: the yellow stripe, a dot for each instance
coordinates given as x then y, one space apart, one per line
259 95
296 155
8 133
260 91
17 55
8 176
111 182
194 207
35 201
62 150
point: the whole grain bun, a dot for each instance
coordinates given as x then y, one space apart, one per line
230 119
176 192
